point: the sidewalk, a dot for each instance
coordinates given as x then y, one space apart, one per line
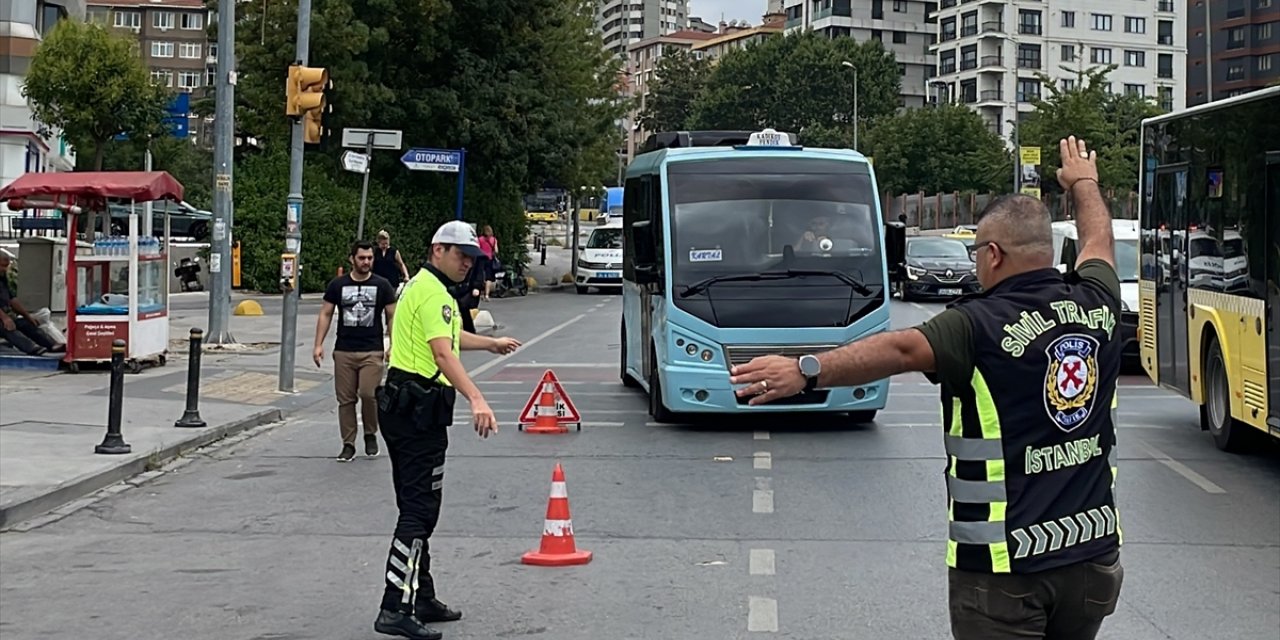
50 423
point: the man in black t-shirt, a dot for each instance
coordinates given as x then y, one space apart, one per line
361 298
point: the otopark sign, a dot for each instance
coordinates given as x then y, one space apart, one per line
441 161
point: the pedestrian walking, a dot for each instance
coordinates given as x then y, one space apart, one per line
468 293
1028 372
415 409
489 262
388 263
362 298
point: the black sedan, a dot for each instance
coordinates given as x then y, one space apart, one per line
936 267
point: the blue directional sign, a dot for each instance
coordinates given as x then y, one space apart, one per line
175 118
444 160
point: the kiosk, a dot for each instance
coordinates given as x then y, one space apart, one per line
117 287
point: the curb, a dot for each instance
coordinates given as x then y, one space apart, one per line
82 486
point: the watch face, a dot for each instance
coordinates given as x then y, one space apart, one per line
810 366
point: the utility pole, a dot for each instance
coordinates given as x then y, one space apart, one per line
364 188
224 131
293 215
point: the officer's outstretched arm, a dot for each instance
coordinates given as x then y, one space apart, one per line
1079 175
876 358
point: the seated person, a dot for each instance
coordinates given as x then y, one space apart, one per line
16 324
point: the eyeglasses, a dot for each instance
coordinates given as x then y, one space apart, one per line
973 251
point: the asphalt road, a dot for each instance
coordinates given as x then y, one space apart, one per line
805 530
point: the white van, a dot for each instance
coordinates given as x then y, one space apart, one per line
599 261
1065 246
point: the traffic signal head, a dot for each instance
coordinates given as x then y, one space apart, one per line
313 131
305 89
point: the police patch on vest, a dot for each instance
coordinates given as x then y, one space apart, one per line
1071 380
446 312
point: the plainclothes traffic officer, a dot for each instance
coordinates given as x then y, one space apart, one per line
415 407
1028 372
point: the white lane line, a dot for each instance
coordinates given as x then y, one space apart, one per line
762 562
762 496
761 435
762 614
763 460
922 308
1182 469
601 394
524 345
567 365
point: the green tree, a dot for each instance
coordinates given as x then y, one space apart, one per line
938 150
91 84
679 80
799 81
1109 123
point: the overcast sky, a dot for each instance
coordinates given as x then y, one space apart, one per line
710 10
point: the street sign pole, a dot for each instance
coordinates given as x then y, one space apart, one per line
442 160
293 218
462 172
364 189
224 138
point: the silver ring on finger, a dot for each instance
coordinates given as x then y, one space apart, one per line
764 384
1084 154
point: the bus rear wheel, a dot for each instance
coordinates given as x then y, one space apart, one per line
1215 414
862 417
657 409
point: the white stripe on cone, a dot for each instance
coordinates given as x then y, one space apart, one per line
558 528
559 490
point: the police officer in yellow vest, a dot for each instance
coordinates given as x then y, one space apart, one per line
1028 372
415 408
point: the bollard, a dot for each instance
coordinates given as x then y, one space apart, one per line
544 255
114 443
537 241
191 417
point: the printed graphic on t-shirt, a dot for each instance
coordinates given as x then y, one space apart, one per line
359 305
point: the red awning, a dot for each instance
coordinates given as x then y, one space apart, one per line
140 186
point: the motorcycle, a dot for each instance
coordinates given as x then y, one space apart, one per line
509 281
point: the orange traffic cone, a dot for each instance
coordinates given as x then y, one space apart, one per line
545 421
558 548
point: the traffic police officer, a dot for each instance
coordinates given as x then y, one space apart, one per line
415 407
1028 372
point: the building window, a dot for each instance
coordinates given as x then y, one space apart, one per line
189 50
948 29
947 62
899 37
1135 58
161 49
162 20
1068 53
188 79
1101 22
1135 90
1264 62
1028 90
1135 25
1235 71
1028 56
162 78
1100 55
1262 32
1164 68
1029 22
969 24
1166 97
191 21
1069 19
1235 38
128 20
1068 84
969 57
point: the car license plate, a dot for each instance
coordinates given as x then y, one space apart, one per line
950 292
609 275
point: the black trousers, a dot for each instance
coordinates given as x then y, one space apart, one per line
416 448
1067 603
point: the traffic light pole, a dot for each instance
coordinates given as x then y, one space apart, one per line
224 132
293 231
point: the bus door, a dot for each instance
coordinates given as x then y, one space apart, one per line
1171 299
1273 289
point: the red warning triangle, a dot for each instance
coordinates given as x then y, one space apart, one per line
566 413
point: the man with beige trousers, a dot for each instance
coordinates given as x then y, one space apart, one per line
361 297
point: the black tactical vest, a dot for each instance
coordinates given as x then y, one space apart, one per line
1031 440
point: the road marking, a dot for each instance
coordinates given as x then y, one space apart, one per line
602 394
761 435
524 345
763 460
922 308
1182 469
566 365
762 614
762 562
762 497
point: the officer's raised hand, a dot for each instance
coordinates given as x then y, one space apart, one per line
1078 163
768 378
482 418
503 346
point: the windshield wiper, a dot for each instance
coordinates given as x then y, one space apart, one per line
702 285
839 275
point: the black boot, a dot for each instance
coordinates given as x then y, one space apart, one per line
432 610
394 623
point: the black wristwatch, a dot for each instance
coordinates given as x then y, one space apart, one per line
810 367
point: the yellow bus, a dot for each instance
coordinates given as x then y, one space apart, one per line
1209 283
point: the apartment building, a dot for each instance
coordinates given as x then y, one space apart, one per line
173 41
23 24
642 61
904 26
621 22
989 51
1244 38
738 36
